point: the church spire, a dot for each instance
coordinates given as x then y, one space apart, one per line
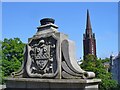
88 24
89 41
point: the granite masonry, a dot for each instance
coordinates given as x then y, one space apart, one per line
50 63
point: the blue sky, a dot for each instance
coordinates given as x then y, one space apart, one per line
21 20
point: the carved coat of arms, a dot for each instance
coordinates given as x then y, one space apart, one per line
42 57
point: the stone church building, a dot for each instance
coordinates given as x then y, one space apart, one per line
89 41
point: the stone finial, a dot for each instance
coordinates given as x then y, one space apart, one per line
47 21
47 25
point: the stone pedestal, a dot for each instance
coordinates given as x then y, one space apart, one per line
51 84
50 63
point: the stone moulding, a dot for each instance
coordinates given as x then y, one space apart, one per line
69 64
52 84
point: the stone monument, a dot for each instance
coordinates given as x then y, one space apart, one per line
50 63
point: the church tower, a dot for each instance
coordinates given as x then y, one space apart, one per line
89 41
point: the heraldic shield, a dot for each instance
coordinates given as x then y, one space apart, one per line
42 57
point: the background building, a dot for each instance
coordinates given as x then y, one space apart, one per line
115 67
89 41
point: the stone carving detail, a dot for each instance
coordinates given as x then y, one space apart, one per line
40 58
43 56
50 54
70 68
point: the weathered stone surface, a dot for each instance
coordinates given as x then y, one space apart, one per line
49 62
33 83
49 28
69 63
50 54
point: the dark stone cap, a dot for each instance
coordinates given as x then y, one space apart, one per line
47 21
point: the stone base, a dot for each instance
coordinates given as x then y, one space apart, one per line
51 84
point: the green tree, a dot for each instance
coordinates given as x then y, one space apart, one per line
105 60
91 63
1 73
12 55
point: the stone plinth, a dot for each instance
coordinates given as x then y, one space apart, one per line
50 63
51 84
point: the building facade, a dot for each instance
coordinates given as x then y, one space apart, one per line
115 67
89 41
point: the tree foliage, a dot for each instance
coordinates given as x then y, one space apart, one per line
12 55
91 63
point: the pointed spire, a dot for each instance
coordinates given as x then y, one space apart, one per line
88 26
88 23
89 41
